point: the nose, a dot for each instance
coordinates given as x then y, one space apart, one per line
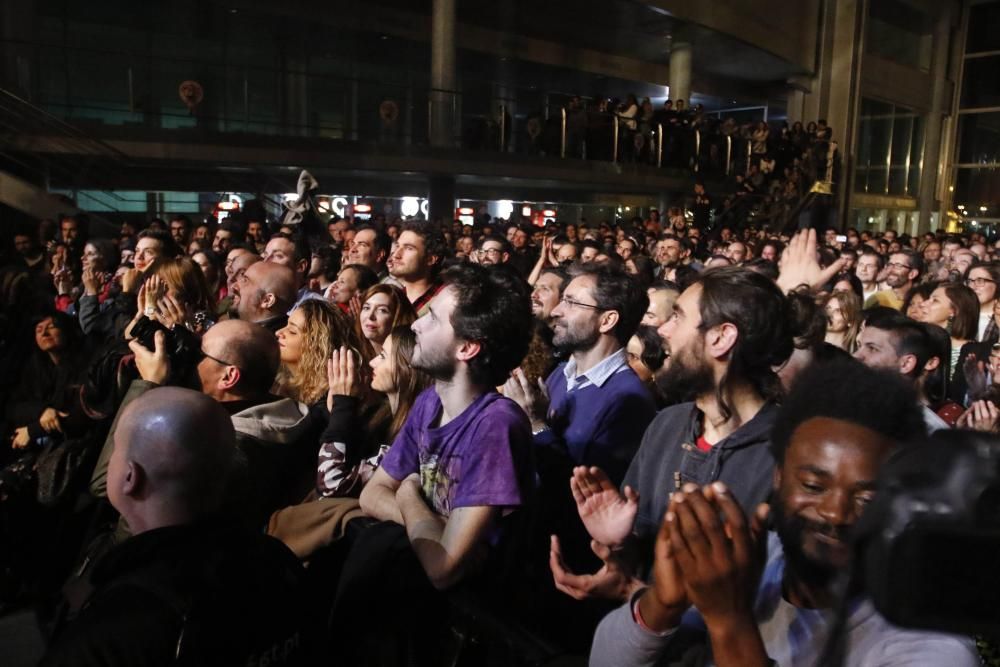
666 329
836 508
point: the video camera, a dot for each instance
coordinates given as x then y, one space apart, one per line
927 547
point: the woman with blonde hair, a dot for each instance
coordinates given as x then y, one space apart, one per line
843 319
315 329
383 308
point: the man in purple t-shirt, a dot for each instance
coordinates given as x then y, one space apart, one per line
463 458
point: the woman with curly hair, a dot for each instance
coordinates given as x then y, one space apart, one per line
314 330
383 308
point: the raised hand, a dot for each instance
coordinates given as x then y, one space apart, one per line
799 265
611 582
981 416
172 311
130 282
93 281
153 365
355 306
341 375
606 514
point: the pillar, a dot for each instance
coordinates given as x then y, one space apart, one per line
443 80
680 72
441 197
935 119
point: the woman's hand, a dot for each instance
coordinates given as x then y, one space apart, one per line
342 376
93 281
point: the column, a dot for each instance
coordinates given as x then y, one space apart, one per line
680 72
443 79
933 161
441 198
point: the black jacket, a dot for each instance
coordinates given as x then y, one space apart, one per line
209 594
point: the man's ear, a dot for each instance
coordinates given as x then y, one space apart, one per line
608 322
230 378
907 364
721 339
268 301
134 479
467 350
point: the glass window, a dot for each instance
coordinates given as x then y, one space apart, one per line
984 28
899 32
981 82
975 189
979 138
890 149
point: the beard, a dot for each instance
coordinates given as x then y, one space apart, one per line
568 340
687 377
791 530
437 363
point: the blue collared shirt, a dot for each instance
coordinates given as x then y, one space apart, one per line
598 375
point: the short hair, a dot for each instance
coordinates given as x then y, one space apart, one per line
589 243
180 217
561 272
653 355
435 244
329 258
868 251
256 353
915 259
616 290
761 314
504 243
807 319
366 276
907 337
847 390
492 308
300 246
382 241
237 230
168 247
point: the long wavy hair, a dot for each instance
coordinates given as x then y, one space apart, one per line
327 329
399 305
408 380
850 309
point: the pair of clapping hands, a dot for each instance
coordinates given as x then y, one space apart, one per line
343 375
708 553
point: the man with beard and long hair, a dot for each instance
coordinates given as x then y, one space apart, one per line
727 333
770 599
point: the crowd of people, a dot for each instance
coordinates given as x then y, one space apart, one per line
397 442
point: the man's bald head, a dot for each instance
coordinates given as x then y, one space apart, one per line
251 358
173 449
266 290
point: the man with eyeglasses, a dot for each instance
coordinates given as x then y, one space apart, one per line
597 408
493 250
238 364
904 269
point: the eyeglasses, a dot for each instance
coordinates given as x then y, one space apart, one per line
978 282
206 355
489 251
899 265
570 303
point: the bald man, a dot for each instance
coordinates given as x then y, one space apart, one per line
274 436
267 293
187 583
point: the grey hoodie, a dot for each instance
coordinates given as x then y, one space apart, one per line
667 459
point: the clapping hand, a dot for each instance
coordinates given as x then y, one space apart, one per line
341 375
608 517
93 281
533 400
981 416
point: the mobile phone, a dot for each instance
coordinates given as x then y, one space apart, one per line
841 238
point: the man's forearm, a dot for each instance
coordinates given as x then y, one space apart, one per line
425 529
379 503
